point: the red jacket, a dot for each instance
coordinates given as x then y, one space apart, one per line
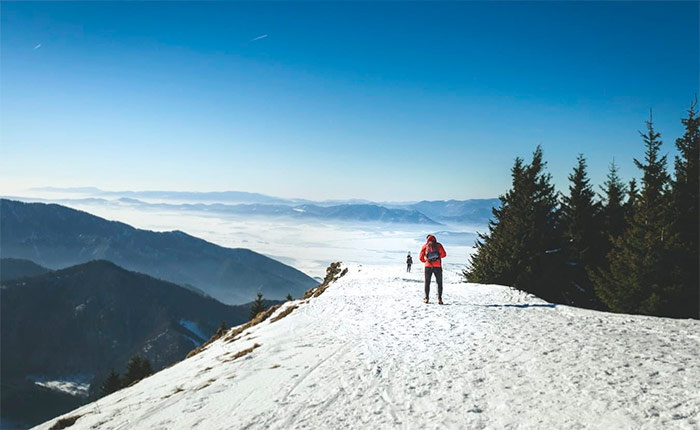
424 252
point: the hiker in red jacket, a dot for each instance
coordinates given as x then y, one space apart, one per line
432 254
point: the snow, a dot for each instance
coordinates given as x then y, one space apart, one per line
367 353
194 328
75 385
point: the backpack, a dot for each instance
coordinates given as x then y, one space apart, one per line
432 252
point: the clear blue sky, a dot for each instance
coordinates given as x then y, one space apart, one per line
385 101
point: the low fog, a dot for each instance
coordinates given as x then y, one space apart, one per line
306 244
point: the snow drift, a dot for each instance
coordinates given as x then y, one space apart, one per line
367 353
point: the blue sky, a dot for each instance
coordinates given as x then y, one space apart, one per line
384 101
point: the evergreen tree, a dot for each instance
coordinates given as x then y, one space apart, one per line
289 297
638 279
111 384
632 196
137 369
613 208
686 214
146 369
491 263
579 218
581 230
516 250
257 306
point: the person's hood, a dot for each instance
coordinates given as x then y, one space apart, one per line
431 238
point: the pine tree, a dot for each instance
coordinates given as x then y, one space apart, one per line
686 214
146 368
257 306
613 213
516 250
111 384
289 297
581 230
632 196
490 263
613 209
137 369
638 280
579 218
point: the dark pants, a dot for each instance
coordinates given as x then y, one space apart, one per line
408 267
438 278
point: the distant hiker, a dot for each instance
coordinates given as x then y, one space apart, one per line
409 261
432 254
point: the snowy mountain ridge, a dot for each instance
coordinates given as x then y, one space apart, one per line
367 353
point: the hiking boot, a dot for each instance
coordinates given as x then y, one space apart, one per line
425 300
440 301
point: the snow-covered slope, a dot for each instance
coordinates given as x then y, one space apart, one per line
367 353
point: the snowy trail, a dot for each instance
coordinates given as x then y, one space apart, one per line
368 353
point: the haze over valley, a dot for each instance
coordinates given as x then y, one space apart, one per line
356 231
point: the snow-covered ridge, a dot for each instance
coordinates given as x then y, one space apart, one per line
367 353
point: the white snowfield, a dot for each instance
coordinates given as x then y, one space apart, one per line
368 354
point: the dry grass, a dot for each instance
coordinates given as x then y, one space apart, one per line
243 352
333 273
177 390
262 316
65 422
230 335
205 385
219 333
284 313
204 370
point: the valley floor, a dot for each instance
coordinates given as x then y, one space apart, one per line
368 353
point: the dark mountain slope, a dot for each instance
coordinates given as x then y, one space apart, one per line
14 268
96 315
90 318
56 237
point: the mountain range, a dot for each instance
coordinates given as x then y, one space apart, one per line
472 211
343 212
56 237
